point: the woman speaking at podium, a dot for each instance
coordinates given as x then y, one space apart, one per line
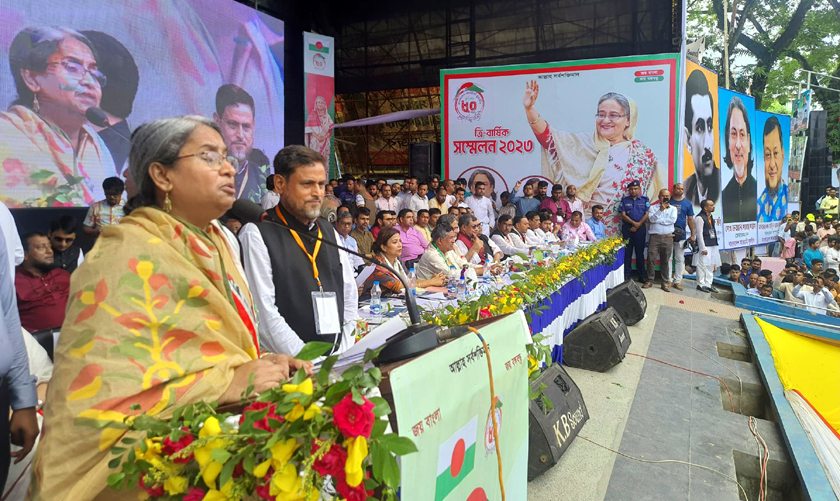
160 313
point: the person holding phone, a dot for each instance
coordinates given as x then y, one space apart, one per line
662 217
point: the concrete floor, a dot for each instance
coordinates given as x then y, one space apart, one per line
654 412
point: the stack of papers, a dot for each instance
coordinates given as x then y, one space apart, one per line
375 339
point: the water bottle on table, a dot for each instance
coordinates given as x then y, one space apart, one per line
452 282
412 281
376 302
461 292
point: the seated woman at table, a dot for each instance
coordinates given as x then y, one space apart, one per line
159 314
387 249
441 254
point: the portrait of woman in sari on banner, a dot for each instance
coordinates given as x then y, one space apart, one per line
600 163
50 155
319 123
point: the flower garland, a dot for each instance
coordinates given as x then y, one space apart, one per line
314 434
528 288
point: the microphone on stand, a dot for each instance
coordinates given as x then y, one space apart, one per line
414 340
98 118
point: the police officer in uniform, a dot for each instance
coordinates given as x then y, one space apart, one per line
634 214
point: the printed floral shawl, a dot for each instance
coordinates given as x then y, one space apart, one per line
152 321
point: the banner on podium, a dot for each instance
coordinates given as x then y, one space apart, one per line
442 402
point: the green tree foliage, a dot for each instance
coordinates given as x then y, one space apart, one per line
770 43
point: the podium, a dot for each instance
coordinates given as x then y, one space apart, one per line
442 401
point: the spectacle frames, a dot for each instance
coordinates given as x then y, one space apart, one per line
77 71
214 159
612 116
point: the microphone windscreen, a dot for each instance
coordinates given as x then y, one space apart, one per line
248 211
97 117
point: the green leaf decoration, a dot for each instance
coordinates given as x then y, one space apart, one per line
475 88
398 445
313 350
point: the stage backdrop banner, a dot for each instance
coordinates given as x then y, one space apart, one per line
319 82
453 429
487 135
736 120
700 168
137 62
771 159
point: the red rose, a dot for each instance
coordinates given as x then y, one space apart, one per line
333 461
354 420
262 424
195 494
357 493
154 491
169 448
484 313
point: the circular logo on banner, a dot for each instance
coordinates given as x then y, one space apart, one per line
489 442
319 61
469 102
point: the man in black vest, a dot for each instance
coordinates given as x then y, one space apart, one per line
67 254
290 273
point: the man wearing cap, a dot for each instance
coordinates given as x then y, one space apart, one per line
634 214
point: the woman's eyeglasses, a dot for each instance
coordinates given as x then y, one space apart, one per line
612 116
77 71
214 159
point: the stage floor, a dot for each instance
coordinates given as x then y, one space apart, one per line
654 412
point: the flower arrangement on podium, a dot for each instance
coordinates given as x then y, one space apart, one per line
527 290
315 435
528 287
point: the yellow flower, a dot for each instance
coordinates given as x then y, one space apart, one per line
305 387
296 413
357 451
175 485
311 411
261 469
286 480
211 472
211 427
282 452
152 454
195 291
222 495
210 468
533 365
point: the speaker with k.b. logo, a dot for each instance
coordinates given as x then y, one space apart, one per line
551 431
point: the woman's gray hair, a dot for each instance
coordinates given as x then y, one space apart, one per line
619 98
439 232
30 50
158 142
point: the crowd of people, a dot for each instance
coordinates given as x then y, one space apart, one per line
240 298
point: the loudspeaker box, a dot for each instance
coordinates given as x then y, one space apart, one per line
598 343
551 431
629 301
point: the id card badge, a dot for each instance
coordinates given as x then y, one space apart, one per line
711 233
325 306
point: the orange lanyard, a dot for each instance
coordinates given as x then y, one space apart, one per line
312 256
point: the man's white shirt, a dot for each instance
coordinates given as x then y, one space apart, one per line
276 335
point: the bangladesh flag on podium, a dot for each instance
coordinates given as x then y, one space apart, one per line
456 458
